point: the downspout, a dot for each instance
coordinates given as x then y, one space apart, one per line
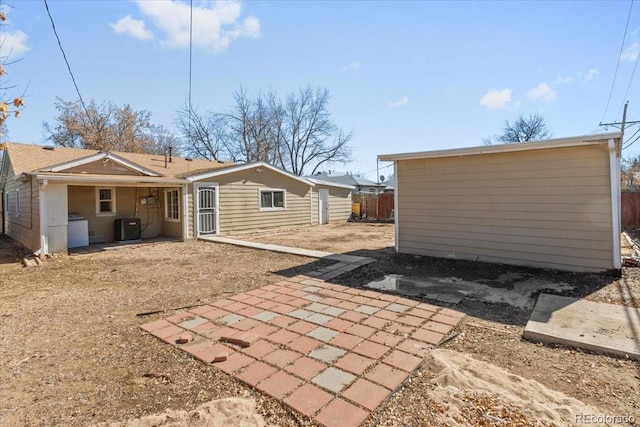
185 212
4 206
44 227
311 206
395 205
614 173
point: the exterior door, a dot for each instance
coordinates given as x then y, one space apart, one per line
207 202
323 205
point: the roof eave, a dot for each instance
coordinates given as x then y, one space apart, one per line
247 166
505 148
107 179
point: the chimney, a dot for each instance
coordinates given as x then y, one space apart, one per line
170 156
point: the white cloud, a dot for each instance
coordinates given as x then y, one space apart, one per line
591 74
400 102
132 27
13 44
542 92
215 24
496 98
562 80
352 66
631 53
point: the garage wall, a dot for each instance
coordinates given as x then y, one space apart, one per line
339 203
543 208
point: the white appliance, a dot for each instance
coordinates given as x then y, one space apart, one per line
77 231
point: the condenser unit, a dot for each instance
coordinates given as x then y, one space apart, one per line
127 229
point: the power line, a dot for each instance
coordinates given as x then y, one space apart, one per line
73 79
630 143
624 37
633 73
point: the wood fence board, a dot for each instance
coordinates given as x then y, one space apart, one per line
630 209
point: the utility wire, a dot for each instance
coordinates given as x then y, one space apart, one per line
633 73
53 25
624 37
630 143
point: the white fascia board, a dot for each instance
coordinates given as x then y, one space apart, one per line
614 174
506 148
101 156
247 166
81 179
330 184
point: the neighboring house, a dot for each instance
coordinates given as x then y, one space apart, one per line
52 193
551 204
360 185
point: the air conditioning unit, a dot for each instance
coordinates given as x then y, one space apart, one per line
127 229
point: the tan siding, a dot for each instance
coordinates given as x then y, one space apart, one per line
24 226
239 208
339 204
546 208
82 200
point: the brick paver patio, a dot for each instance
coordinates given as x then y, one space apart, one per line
330 352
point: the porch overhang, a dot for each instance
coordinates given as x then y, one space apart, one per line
130 181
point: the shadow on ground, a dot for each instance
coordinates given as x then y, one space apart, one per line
496 292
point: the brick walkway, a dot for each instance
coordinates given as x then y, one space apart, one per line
330 352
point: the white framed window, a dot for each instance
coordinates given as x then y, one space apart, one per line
17 202
105 201
172 205
272 199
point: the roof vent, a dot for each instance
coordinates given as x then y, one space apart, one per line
49 147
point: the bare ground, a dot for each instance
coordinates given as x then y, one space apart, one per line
72 353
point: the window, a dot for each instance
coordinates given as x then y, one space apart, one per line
17 202
172 205
272 200
105 201
7 198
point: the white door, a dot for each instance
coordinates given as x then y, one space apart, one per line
323 205
207 200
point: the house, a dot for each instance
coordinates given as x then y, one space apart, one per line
360 184
550 204
56 197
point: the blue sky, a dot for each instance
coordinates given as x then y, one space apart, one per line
403 75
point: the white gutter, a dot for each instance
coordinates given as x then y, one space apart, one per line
395 205
185 216
44 226
614 173
79 179
503 148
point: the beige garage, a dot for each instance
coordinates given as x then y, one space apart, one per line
551 204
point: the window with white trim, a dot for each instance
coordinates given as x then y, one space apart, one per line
7 198
272 199
172 205
105 200
17 202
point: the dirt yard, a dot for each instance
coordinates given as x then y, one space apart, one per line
72 353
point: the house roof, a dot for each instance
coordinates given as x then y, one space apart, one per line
32 159
237 168
329 184
352 180
506 148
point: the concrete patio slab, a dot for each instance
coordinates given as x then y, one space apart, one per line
606 328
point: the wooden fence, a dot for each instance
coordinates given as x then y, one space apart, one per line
374 206
630 209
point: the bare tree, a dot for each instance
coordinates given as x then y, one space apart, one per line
203 136
307 138
523 129
102 126
8 105
251 128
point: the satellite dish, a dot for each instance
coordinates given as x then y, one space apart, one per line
381 178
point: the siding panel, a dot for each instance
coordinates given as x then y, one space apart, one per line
539 208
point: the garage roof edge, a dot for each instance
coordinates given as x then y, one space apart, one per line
602 138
